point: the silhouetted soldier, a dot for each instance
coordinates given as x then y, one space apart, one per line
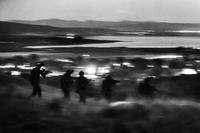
66 83
107 86
145 88
35 78
82 84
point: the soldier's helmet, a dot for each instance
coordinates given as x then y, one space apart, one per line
40 64
68 72
81 73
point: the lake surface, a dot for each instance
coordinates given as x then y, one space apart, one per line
137 42
146 41
126 41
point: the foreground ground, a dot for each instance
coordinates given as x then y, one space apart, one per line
53 114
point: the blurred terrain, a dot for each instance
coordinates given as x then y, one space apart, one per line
52 113
174 107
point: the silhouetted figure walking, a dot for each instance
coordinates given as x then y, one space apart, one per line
66 83
107 86
35 78
145 88
82 84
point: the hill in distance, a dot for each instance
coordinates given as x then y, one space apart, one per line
21 28
120 25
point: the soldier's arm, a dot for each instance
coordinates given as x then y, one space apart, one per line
44 72
116 81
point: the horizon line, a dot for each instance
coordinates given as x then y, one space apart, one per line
153 21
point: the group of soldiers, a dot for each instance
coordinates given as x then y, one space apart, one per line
82 84
67 81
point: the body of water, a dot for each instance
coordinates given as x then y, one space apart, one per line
126 41
147 41
137 42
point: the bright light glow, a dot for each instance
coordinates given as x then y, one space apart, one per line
139 79
91 70
86 55
126 63
55 74
7 66
116 64
91 76
167 57
150 66
43 68
25 67
162 102
103 70
15 73
165 66
64 60
119 103
132 66
70 37
187 71
187 31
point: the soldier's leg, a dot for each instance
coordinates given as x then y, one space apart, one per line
67 93
34 92
82 97
108 95
104 94
39 91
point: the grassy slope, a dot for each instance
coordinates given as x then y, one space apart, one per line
52 114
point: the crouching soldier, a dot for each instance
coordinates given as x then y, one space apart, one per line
82 84
107 85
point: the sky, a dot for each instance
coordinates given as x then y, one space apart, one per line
186 11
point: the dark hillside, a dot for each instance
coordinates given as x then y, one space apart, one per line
17 28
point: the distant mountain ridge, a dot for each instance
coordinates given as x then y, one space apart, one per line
21 28
98 28
66 23
120 25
